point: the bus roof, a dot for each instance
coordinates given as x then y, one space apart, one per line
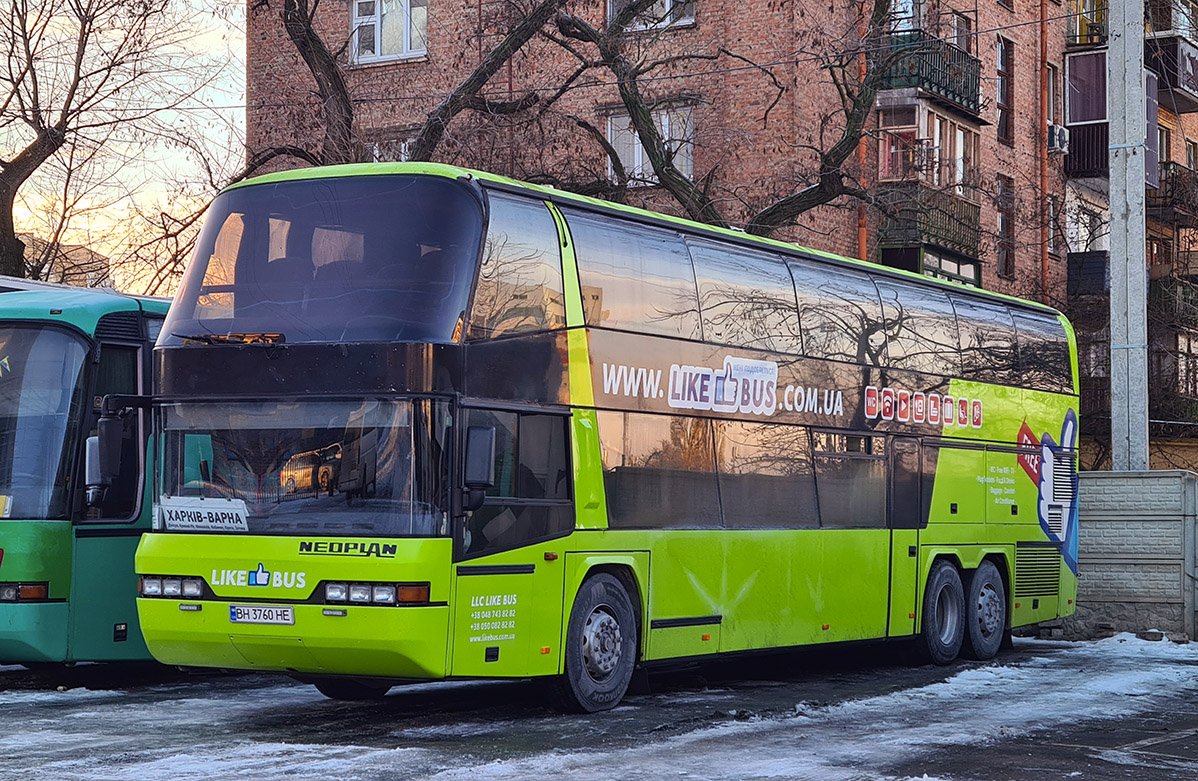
644 215
23 299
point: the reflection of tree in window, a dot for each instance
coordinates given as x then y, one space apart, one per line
850 479
840 315
765 475
520 283
921 329
746 298
988 349
1043 352
658 470
642 278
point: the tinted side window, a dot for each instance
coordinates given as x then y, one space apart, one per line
989 350
745 298
840 314
117 374
659 471
1043 352
634 277
765 476
921 329
850 479
530 499
520 281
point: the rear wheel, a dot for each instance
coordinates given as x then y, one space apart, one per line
985 613
352 689
601 643
943 625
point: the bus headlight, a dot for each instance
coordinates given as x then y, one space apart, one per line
8 592
151 587
384 594
172 587
335 592
193 587
359 593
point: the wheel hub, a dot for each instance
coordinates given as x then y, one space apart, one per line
947 615
990 612
601 643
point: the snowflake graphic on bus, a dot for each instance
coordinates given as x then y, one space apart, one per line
1056 481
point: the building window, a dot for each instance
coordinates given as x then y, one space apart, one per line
1160 255
677 128
1164 138
961 32
1187 364
1007 4
389 29
1006 226
1085 88
1088 230
1191 155
1087 22
904 16
392 150
662 13
1053 81
952 268
1005 92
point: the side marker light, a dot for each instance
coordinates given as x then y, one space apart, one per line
545 649
32 591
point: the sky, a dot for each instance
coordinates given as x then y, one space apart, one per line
150 174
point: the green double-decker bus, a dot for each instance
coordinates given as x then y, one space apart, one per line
418 422
67 537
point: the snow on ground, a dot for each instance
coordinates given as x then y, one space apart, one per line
184 730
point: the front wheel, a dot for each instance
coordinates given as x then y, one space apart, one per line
943 625
985 613
601 643
352 689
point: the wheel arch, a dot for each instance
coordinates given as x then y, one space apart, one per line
631 569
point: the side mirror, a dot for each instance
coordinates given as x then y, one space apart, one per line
111 430
480 457
479 467
91 473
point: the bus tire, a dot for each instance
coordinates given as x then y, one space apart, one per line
352 689
985 613
942 629
600 651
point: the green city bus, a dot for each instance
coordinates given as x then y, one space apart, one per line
67 538
564 438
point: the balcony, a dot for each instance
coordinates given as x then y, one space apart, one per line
920 214
1089 273
1173 300
1175 60
939 71
1176 199
1088 150
1087 25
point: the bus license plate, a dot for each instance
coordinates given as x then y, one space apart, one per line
259 614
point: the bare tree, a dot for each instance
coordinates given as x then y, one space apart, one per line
856 68
78 74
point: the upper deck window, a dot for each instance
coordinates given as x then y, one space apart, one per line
636 280
1043 352
520 281
746 298
989 350
840 314
364 259
921 329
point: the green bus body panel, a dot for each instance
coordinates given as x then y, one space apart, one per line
92 584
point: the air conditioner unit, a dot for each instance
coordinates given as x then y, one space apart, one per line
1058 138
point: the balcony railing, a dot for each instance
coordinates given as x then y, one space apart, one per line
1173 300
1089 273
1172 390
1088 150
920 214
1087 25
1175 59
1176 199
937 68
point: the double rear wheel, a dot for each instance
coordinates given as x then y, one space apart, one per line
963 620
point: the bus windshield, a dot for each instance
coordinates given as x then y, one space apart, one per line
363 258
374 467
41 400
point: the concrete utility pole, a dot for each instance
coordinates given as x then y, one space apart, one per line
1129 273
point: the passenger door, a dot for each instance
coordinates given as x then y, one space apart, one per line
508 592
104 587
906 517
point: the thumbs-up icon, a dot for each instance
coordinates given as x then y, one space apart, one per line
259 577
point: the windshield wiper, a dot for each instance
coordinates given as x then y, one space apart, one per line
268 340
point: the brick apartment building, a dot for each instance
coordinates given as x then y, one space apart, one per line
984 156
